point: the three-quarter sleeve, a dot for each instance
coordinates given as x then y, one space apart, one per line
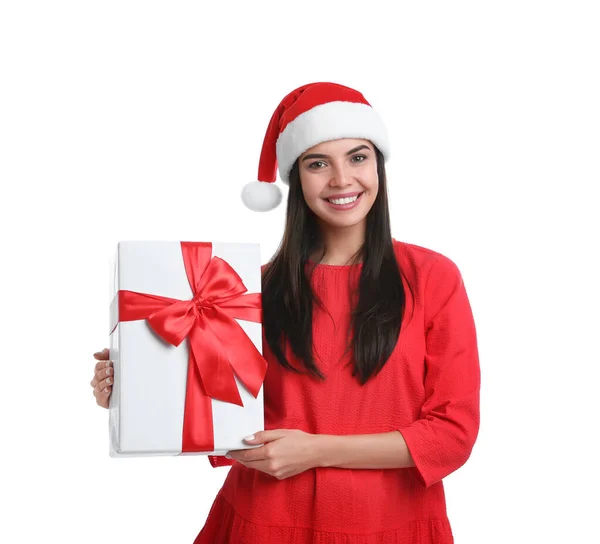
442 439
220 461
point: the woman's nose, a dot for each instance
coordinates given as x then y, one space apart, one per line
340 177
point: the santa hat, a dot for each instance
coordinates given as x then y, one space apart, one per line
309 115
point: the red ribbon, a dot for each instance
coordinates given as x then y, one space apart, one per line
217 343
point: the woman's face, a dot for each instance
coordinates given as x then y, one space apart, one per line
346 166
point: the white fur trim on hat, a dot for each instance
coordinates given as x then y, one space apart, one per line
261 196
330 121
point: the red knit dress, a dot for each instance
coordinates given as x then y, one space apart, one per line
428 390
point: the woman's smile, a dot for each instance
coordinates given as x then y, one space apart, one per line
344 203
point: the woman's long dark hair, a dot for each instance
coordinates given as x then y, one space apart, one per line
287 296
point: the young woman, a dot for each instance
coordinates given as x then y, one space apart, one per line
372 389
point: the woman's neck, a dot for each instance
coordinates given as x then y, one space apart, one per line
339 244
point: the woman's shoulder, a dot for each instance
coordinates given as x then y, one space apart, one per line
419 259
263 267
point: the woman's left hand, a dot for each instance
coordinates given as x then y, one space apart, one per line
286 452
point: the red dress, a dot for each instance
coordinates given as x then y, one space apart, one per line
428 390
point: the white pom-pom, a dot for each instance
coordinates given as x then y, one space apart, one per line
261 196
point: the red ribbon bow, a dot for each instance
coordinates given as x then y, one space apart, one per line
218 344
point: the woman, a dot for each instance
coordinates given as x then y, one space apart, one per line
372 389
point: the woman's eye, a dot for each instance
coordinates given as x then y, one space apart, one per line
361 157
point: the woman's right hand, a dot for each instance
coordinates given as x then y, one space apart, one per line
103 378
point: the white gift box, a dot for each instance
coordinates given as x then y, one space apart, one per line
146 409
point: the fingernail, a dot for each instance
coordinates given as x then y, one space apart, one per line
106 389
228 456
248 438
107 380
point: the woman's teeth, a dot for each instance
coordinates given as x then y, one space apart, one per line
343 200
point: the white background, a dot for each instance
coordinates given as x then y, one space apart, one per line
143 120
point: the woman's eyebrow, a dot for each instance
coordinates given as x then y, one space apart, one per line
323 156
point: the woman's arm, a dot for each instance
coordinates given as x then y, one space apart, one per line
385 450
441 440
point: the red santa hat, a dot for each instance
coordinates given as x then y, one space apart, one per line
309 115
